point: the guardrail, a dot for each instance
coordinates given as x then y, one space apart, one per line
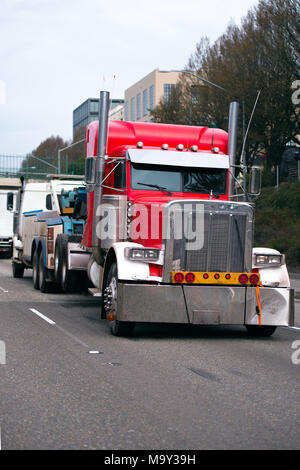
30 166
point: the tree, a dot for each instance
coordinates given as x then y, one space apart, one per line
261 54
43 159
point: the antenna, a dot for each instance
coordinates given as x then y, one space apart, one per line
249 124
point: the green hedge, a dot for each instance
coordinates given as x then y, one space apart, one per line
278 220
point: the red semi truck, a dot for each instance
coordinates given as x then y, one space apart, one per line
168 240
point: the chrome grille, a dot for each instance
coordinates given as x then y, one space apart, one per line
227 245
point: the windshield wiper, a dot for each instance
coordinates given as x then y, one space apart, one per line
160 188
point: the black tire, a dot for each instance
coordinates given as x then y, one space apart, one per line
35 270
110 300
261 331
18 269
58 256
43 283
66 278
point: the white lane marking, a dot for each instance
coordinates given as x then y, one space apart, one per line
59 327
3 290
33 310
72 336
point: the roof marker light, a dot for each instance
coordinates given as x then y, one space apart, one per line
165 146
180 147
216 150
140 145
194 148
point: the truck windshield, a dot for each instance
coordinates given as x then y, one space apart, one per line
178 179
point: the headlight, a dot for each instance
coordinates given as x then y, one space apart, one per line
268 260
142 254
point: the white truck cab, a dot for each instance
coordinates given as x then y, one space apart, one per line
8 202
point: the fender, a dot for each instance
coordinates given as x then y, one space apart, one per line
131 270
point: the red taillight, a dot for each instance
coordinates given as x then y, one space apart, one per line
178 277
243 279
227 276
205 276
50 240
217 276
254 279
190 277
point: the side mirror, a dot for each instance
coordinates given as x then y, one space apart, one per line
90 170
10 201
255 181
49 202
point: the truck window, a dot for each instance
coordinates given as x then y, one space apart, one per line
120 175
178 179
49 202
10 201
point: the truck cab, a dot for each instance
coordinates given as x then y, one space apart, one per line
8 202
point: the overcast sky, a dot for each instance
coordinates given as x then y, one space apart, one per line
57 53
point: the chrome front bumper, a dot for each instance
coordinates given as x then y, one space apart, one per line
204 305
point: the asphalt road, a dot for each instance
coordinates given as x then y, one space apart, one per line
167 387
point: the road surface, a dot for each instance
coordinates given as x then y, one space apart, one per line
68 384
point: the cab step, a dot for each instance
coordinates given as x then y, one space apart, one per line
95 292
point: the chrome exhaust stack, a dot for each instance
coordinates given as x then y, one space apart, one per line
104 104
232 143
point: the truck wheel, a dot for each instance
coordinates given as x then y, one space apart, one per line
117 328
44 284
35 270
61 240
260 331
18 269
68 279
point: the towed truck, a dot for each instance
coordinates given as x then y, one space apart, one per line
169 240
49 226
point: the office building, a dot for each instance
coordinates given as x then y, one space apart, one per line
143 96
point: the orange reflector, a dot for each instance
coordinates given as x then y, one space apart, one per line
111 317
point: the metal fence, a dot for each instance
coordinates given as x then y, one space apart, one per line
281 174
32 167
